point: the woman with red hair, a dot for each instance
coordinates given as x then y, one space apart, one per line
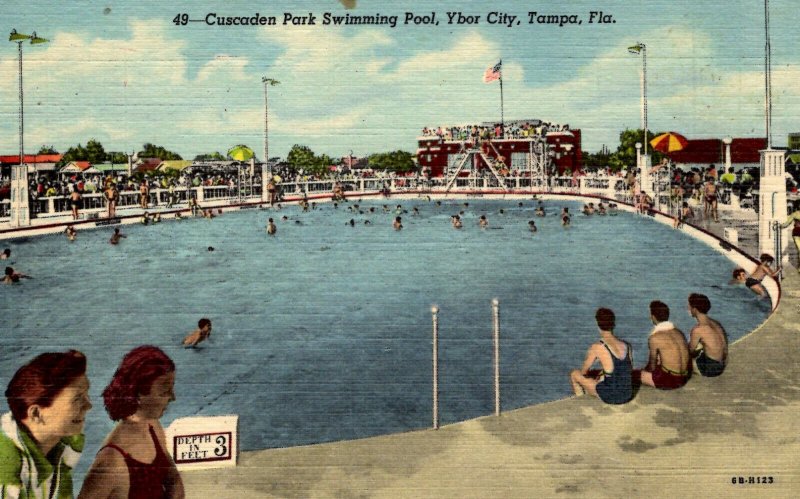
40 439
133 462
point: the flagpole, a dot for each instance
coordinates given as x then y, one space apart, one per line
502 114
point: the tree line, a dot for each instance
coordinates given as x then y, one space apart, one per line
625 155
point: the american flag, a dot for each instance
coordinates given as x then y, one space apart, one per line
492 73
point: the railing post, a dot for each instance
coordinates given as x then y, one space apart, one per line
496 320
51 205
435 316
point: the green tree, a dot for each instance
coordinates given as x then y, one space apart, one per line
301 158
153 151
47 150
214 156
396 161
95 153
626 152
116 157
75 153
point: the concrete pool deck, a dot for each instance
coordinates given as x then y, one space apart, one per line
694 441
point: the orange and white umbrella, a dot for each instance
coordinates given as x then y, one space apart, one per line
669 142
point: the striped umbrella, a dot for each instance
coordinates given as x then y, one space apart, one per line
669 142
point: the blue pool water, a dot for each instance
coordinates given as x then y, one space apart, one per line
323 332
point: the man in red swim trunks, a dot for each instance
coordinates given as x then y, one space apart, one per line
668 364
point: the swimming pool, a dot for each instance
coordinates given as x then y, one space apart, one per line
323 332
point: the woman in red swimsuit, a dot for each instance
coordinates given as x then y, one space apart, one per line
133 462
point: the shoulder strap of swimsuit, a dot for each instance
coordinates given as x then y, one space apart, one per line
116 448
627 350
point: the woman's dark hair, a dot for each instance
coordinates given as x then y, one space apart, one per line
606 320
42 379
135 376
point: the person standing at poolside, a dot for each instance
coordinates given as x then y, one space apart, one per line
794 219
41 437
144 194
708 342
668 363
613 384
710 199
74 202
763 270
134 461
112 197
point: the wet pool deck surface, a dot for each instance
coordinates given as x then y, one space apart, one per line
694 441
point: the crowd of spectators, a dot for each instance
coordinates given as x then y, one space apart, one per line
497 131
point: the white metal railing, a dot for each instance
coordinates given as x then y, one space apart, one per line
94 204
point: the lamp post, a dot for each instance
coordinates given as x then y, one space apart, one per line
644 160
20 214
266 170
772 184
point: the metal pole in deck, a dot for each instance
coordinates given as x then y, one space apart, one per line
496 318
435 314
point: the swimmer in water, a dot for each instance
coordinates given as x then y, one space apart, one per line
284 218
351 223
210 248
482 222
367 222
415 211
271 227
178 216
532 226
739 276
145 218
455 220
565 217
398 223
502 211
6 254
13 277
71 232
202 333
116 236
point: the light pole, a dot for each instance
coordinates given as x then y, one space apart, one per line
266 170
772 184
644 163
20 214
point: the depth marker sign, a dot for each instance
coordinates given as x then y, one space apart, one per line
204 442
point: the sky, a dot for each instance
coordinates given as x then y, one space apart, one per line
125 74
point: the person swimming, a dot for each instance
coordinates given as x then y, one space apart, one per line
271 227
565 217
482 222
116 236
71 232
398 223
532 226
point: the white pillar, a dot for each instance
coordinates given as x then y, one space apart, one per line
20 214
643 164
727 141
264 181
772 202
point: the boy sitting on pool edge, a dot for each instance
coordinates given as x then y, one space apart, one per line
200 334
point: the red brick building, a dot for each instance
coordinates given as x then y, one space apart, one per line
438 148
